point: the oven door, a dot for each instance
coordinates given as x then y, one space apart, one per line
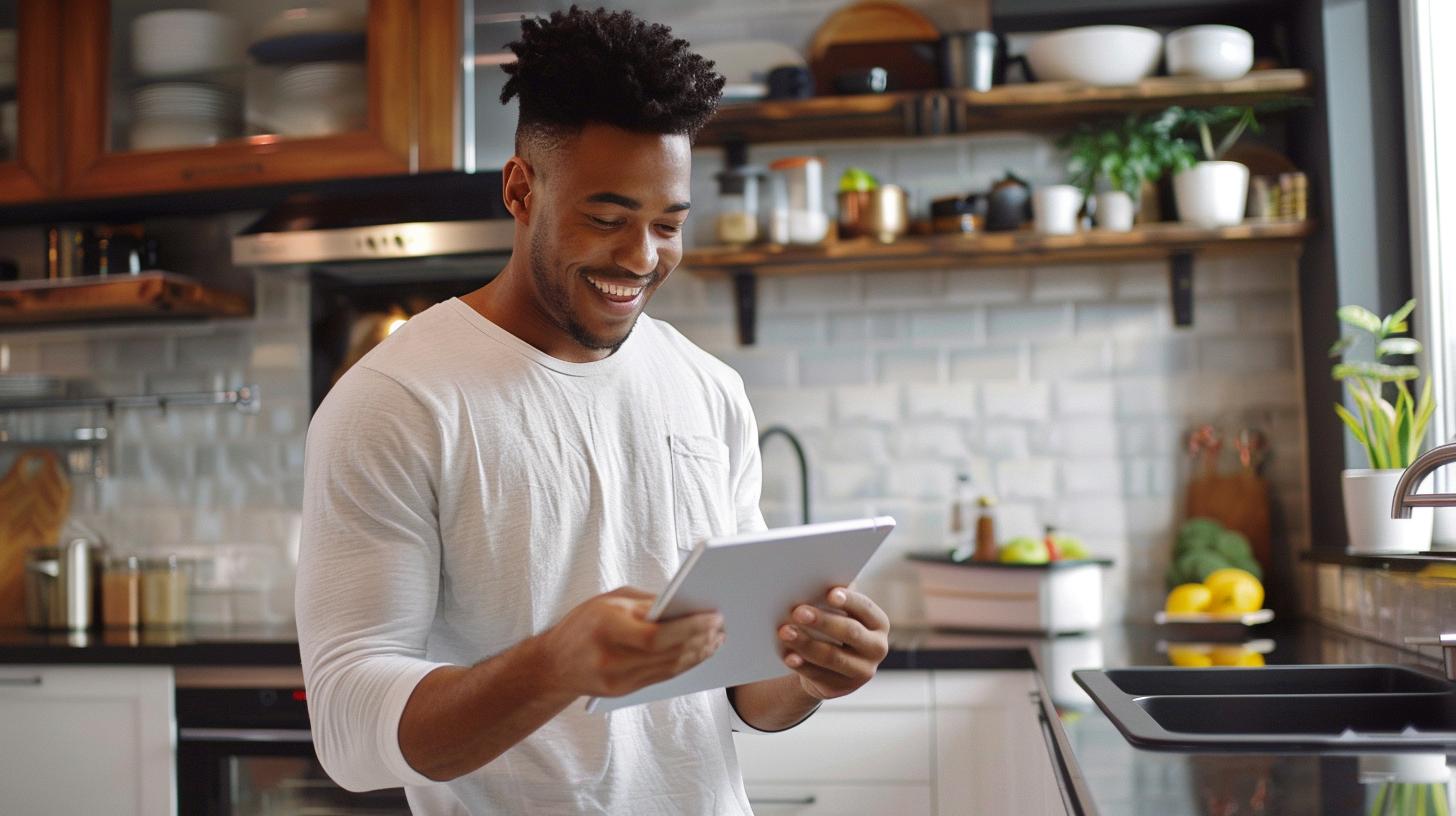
244 748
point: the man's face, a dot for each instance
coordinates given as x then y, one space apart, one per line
607 211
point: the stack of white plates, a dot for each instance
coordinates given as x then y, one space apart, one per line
321 98
184 41
7 58
181 114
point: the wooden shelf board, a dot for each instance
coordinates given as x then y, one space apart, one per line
1022 247
115 297
947 111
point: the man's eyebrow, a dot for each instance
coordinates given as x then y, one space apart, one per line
632 203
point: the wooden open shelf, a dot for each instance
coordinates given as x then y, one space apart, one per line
1175 243
1019 248
1033 105
115 297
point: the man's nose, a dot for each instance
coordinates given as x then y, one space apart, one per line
637 253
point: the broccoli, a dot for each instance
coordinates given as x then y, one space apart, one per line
1203 546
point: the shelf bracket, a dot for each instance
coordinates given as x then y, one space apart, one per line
1180 287
745 304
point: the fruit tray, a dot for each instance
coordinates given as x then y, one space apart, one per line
1244 619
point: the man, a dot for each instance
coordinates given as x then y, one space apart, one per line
490 491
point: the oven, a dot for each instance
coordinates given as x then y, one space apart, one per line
244 749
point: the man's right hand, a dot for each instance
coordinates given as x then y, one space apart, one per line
606 647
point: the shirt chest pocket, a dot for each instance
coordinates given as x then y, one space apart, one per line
702 501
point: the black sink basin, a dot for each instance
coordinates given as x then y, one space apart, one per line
1322 708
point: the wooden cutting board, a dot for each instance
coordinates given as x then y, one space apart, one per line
1238 500
35 498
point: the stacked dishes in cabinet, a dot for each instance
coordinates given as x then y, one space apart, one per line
311 79
193 52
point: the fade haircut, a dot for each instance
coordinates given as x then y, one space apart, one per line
610 67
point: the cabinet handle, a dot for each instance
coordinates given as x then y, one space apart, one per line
783 800
240 169
264 735
21 681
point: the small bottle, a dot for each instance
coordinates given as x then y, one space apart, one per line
962 515
986 530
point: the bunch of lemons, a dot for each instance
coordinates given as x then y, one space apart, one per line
1228 591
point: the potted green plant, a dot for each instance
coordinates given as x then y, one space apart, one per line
1211 192
1389 422
1112 163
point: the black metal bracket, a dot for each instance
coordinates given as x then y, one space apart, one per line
1180 287
745 304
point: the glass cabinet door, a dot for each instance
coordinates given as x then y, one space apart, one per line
179 94
29 91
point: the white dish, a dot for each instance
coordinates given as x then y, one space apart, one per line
1244 619
1106 55
184 41
8 44
311 20
183 99
1217 52
320 120
162 133
7 74
321 79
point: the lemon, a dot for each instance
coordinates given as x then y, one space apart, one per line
1189 658
1187 598
1235 592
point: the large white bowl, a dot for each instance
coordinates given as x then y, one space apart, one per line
184 41
1210 51
1097 55
164 133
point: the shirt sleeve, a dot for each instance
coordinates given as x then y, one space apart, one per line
368 574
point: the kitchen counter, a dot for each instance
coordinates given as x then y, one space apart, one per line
1101 773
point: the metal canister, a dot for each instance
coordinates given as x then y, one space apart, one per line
59 588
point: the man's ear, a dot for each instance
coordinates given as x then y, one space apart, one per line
516 181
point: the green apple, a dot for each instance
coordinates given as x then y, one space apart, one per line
1071 548
1024 550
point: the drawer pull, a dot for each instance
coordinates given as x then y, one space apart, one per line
10 682
783 800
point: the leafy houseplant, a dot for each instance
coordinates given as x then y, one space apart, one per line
1211 192
1391 432
1122 157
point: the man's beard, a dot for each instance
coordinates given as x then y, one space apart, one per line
557 303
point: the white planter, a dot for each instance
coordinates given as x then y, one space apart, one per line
1368 496
1212 193
1115 211
1055 208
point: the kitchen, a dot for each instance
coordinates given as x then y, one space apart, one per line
208 216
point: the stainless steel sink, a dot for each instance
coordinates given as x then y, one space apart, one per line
1322 708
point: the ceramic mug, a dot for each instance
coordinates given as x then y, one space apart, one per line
1055 207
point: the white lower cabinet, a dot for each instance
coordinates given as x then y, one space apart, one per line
910 743
87 739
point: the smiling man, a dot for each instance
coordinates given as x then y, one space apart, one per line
489 492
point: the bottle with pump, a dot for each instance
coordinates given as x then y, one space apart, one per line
962 518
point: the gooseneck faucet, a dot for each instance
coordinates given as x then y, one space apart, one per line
1405 489
780 430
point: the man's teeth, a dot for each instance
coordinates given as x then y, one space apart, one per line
615 290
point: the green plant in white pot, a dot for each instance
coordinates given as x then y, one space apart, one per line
1389 422
1111 164
1212 192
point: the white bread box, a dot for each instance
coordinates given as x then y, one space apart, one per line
1052 598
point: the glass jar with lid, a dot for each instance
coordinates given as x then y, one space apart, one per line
737 221
798 215
121 592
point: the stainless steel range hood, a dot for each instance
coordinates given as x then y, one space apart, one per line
451 215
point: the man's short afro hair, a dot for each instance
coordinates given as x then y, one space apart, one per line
610 67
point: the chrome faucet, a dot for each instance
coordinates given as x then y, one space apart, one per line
1447 642
1405 489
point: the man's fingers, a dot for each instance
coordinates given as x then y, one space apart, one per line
674 633
860 607
825 655
632 593
836 626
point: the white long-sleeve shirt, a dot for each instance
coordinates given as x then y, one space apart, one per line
463 492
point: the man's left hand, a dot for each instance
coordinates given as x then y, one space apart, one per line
860 635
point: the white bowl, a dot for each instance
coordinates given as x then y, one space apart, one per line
341 115
312 20
184 41
8 44
182 99
321 79
1097 55
1210 51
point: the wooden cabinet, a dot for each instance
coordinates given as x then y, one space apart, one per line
910 743
29 150
80 101
87 739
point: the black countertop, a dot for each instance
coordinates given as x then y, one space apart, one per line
1102 773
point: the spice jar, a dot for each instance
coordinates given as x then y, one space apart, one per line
164 592
737 221
121 592
798 215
